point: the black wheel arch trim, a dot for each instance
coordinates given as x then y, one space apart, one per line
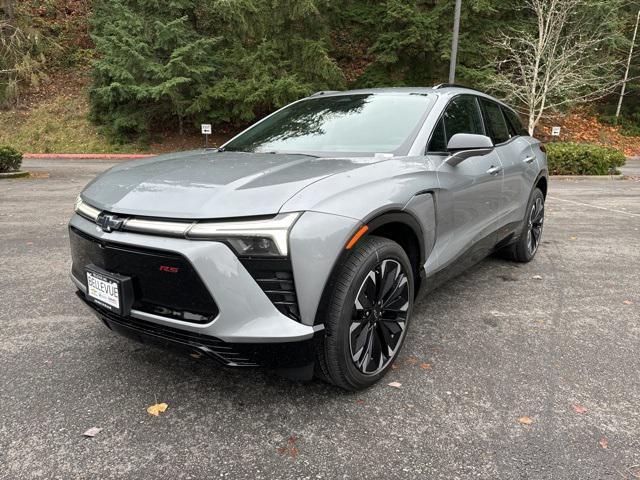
517 226
544 173
375 221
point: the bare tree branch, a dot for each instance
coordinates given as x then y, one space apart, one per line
556 62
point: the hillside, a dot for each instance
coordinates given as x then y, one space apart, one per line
124 75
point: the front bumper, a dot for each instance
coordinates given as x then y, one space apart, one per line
290 357
245 313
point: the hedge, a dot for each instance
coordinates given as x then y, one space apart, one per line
583 159
10 159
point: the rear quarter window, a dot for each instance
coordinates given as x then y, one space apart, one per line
495 122
514 122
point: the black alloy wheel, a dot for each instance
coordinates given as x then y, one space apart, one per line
536 221
528 241
379 317
367 314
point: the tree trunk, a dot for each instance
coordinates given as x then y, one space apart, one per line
626 73
532 122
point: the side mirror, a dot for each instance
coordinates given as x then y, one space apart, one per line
466 145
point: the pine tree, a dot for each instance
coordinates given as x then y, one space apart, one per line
184 60
151 64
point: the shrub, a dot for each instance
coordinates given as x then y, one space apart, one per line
10 159
583 159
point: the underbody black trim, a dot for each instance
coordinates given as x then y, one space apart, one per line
473 255
289 355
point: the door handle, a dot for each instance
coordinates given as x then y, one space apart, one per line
529 159
494 170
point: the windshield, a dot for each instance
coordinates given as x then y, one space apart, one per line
357 124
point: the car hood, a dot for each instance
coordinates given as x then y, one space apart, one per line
210 184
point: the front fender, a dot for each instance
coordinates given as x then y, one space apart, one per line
316 242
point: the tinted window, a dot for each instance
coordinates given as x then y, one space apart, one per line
495 123
363 123
462 116
438 141
514 121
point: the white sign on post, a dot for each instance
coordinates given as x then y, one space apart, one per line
555 131
206 129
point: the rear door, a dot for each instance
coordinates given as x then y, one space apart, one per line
516 157
526 157
469 201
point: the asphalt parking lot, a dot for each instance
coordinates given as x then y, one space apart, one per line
556 341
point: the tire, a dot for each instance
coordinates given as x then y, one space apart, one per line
526 247
356 324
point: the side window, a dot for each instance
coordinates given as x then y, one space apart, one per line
515 122
495 122
463 116
438 141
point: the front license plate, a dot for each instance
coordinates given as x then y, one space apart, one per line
104 290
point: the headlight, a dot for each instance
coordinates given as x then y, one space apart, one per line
250 237
86 210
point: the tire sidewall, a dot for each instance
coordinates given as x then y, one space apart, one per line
524 247
388 251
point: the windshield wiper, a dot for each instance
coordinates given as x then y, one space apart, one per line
274 152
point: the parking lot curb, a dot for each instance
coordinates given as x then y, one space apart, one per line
88 156
14 174
588 177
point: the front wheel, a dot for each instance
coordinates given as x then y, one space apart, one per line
527 245
368 314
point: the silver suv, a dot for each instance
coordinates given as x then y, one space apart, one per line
302 243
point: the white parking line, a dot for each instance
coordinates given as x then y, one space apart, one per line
594 206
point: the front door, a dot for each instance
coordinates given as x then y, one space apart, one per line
470 199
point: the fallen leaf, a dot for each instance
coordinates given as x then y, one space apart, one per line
525 420
395 384
635 471
628 302
604 443
360 401
573 238
29 243
411 360
425 366
92 432
537 277
579 409
290 448
195 355
157 409
395 366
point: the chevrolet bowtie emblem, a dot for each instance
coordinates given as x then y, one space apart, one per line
109 223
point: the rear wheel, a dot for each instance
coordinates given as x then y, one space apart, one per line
368 315
527 245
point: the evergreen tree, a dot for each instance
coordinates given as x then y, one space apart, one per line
225 61
151 64
181 62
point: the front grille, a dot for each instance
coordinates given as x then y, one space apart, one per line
179 294
275 278
212 347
